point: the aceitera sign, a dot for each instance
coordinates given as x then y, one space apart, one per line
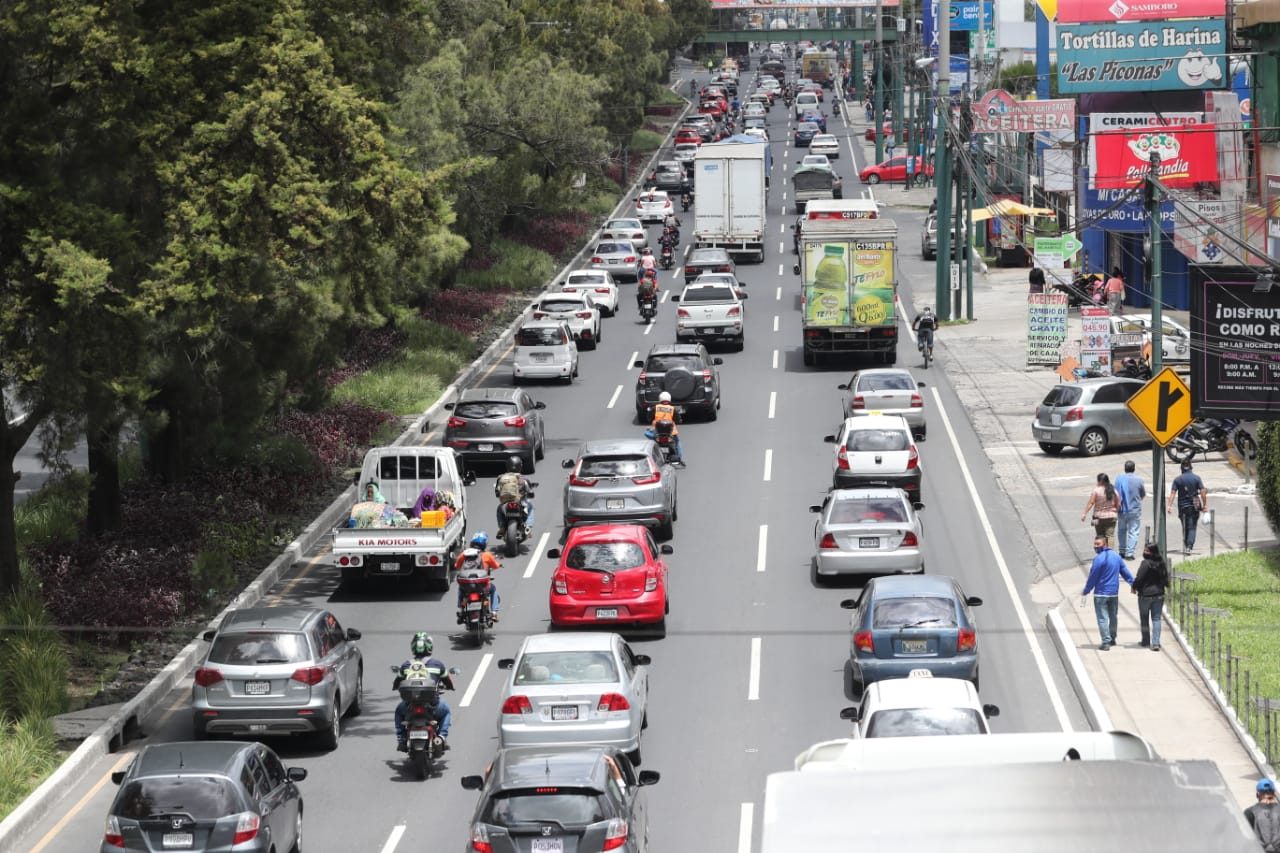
998 112
1141 56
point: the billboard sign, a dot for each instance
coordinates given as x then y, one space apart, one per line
796 4
1141 56
964 16
1235 344
1272 183
1188 156
1046 327
1087 11
997 111
1119 210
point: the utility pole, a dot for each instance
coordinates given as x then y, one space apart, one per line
899 81
966 124
878 100
1152 193
942 173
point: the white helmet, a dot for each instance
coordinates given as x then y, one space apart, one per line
664 397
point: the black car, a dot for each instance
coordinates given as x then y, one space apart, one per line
686 371
205 795
587 799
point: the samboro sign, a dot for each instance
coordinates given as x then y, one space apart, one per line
1141 56
1188 156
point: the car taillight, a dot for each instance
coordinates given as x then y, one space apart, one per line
600 290
310 674
113 837
913 458
631 259
917 402
734 312
966 640
616 834
613 702
517 421
859 402
706 376
538 315
724 268
862 642
842 459
517 705
680 312
583 315
909 540
560 585
207 677
828 541
480 839
455 423
652 478
690 271
575 480
1076 414
246 828
650 581
597 260
639 235
642 378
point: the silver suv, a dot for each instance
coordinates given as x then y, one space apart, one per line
277 671
621 480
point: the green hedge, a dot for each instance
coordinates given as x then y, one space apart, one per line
518 267
1269 472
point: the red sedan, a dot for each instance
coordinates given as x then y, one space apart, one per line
892 170
609 573
688 135
870 135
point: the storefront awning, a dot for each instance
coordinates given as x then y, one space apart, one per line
1009 207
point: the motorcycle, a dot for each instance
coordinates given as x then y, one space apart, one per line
422 694
835 107
1209 436
673 231
513 530
1132 368
663 434
476 612
667 259
686 200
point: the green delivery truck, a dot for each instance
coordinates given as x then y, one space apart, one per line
848 281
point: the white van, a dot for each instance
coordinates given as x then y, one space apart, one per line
807 102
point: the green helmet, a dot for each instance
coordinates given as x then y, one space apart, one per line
421 644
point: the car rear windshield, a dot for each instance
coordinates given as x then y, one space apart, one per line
858 510
701 257
877 439
663 363
578 279
259 647
548 805
541 337
918 612
886 382
807 127
584 667
1062 395
605 556
561 305
924 722
625 224
484 410
708 294
612 248
201 797
614 466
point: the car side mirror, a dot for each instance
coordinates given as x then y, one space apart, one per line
743 296
829 439
208 636
449 406
643 660
297 774
990 711
566 463
353 634
426 427
843 386
796 269
539 405
553 554
638 363
849 604
469 478
815 508
717 361
851 714
649 777
917 505
506 663
394 669
473 783
355 479
666 549
919 384
675 297
973 601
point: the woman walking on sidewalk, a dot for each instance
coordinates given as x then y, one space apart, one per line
1105 504
1150 585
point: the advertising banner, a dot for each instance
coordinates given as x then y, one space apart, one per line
849 283
826 284
1273 215
1188 156
1141 57
1222 110
1201 226
874 293
1119 210
929 26
796 4
997 112
1046 327
1095 339
964 16
1235 344
1091 11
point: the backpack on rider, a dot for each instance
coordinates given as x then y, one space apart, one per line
508 486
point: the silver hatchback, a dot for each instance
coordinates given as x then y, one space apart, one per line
621 480
544 349
1090 414
277 671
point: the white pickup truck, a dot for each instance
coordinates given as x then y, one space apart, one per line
711 308
419 552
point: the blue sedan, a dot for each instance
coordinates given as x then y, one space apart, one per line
902 623
817 118
805 132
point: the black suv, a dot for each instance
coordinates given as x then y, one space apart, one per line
687 372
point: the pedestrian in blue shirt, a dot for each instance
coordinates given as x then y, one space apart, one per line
1104 583
1132 490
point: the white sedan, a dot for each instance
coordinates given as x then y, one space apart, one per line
577 310
825 143
625 229
1175 340
653 206
919 706
596 284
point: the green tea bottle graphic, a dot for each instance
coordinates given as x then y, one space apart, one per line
828 303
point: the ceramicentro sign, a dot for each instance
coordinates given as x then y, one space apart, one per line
1141 56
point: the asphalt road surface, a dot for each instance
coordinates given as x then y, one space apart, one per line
751 669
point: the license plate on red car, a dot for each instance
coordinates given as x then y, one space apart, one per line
606 613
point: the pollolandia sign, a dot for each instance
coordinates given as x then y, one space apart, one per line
997 111
1142 56
1188 156
1091 11
1235 344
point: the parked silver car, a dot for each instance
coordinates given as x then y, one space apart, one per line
277 671
624 480
886 391
544 349
575 689
867 532
1090 414
494 424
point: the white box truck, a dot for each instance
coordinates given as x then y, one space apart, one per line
730 179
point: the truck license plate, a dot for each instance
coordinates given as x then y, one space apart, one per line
389 567
606 613
257 688
564 712
177 840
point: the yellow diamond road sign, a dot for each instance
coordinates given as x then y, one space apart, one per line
1163 406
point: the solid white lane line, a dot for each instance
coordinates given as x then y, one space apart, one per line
1032 643
663 299
779 294
631 362
744 827
762 548
537 552
614 398
753 679
775 359
475 680
768 464
775 322
773 401
397 832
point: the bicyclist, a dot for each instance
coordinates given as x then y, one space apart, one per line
924 326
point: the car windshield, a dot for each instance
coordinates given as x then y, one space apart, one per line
612 248
700 257
585 279
624 224
919 612
484 409
663 363
546 805
259 647
1062 395
541 337
877 440
605 556
562 305
886 382
708 294
613 466
868 509
570 667
924 722
806 127
201 797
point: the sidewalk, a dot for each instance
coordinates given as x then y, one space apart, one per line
1157 695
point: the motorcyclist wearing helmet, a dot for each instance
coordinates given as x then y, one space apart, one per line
924 325
647 289
421 647
475 558
512 485
664 411
647 261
